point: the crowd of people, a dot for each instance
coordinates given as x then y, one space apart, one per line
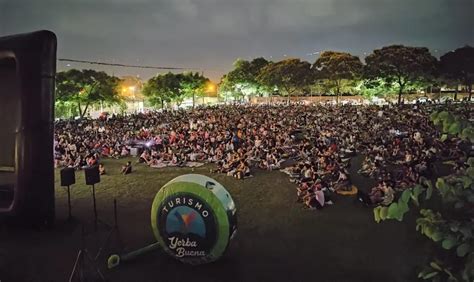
313 144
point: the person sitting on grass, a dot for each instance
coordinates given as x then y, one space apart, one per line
314 199
302 191
382 194
242 170
91 161
144 157
101 169
124 152
343 183
127 169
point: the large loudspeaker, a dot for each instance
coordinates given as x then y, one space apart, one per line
27 71
92 175
68 176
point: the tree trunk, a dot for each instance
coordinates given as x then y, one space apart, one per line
194 99
162 104
85 110
79 109
400 91
469 88
456 93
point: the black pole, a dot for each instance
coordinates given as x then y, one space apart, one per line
95 207
69 202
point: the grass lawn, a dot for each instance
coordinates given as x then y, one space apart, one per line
277 239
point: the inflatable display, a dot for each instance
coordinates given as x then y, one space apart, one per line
193 218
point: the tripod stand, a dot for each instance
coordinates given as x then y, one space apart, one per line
113 231
83 257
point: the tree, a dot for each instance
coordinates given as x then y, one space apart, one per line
339 69
400 64
162 89
228 89
244 76
86 88
458 65
370 88
290 75
192 84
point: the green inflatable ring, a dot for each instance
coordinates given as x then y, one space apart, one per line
193 218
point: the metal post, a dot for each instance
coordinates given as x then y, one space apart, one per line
69 202
95 207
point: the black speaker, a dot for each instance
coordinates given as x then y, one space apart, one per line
27 72
92 175
68 176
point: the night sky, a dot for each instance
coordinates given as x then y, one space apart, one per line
210 35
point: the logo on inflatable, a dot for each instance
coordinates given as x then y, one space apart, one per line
187 225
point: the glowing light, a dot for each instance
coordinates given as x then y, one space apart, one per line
211 87
131 88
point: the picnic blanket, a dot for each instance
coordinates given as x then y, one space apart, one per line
169 164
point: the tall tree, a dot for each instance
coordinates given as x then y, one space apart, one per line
339 68
86 88
400 64
228 89
161 89
192 84
290 75
458 65
244 76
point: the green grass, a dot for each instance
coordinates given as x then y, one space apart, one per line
277 239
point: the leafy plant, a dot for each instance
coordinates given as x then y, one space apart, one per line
452 225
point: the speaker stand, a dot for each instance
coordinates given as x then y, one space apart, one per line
95 207
69 218
82 258
97 221
113 231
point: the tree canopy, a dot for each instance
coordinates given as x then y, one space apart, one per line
171 87
193 84
290 76
400 64
244 77
162 89
458 65
338 68
85 88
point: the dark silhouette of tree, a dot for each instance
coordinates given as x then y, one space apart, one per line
458 65
400 64
290 76
86 88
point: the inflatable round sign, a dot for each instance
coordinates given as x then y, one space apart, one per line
193 217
